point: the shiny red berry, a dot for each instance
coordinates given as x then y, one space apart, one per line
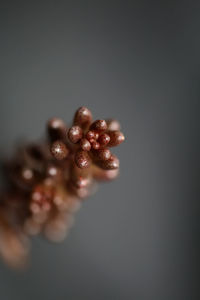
59 150
75 134
104 139
82 159
85 144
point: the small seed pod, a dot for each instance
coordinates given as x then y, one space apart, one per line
56 129
85 145
82 159
104 139
92 136
95 145
83 117
113 125
116 138
75 134
111 164
102 154
59 150
99 125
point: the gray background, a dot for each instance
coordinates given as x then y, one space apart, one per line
138 61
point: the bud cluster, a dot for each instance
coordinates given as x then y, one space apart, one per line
48 181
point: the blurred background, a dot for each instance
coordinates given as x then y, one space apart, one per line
137 61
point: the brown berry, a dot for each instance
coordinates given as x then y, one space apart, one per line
85 144
103 154
82 159
116 138
59 150
111 164
90 135
99 125
95 145
83 117
75 134
104 139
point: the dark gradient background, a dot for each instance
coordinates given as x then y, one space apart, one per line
138 61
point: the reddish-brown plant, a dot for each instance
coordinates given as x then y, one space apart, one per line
48 181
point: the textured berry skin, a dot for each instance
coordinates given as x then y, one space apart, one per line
104 139
75 134
83 117
82 159
95 145
85 144
110 164
103 154
59 150
91 135
99 125
116 138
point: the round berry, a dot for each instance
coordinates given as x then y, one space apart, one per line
75 134
95 145
82 159
104 139
116 138
103 154
59 150
83 117
85 144
99 125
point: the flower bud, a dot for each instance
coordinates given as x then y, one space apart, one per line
104 139
102 154
83 117
82 159
111 164
116 138
85 145
75 134
59 150
99 125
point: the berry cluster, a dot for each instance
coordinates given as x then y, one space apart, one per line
47 181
